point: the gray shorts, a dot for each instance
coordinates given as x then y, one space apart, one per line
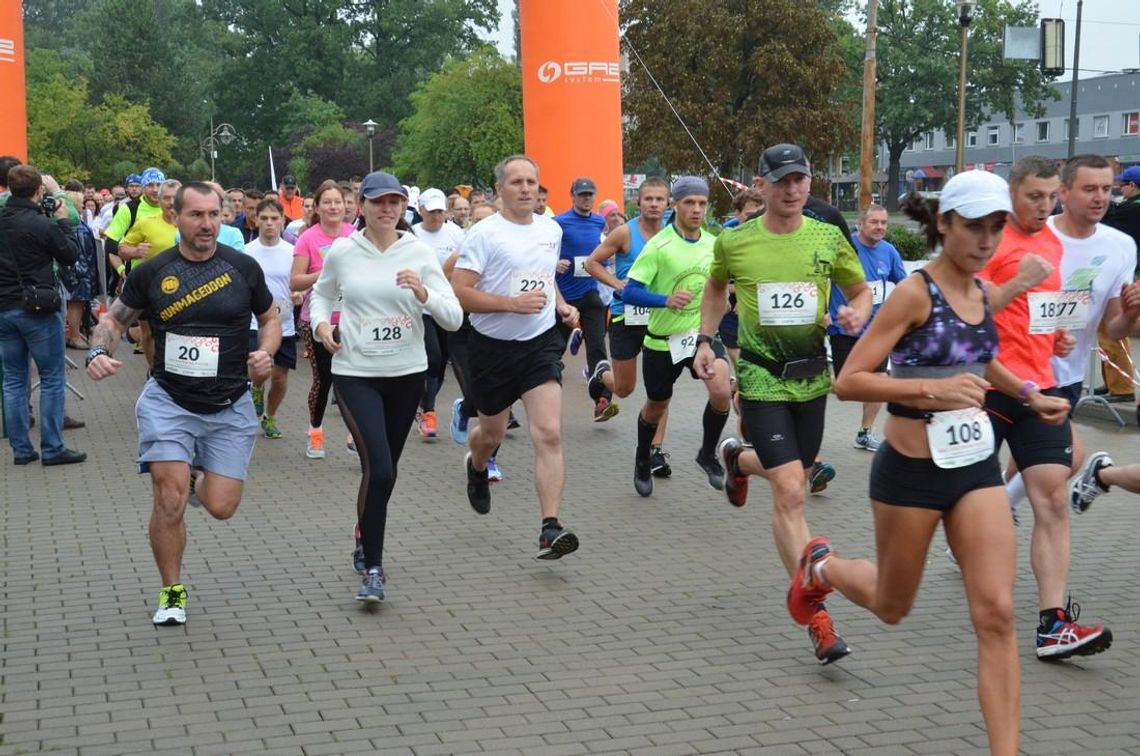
221 442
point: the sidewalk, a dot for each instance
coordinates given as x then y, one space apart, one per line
665 633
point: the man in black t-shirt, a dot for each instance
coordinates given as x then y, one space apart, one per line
195 416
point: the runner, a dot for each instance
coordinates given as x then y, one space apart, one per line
627 326
882 267
938 463
505 278
325 226
382 280
669 276
784 264
275 257
581 230
195 416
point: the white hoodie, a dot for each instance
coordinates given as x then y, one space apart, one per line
381 324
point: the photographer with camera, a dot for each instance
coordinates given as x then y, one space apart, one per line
34 234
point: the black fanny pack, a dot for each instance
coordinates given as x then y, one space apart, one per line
41 299
797 369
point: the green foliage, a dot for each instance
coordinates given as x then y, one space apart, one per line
746 76
308 113
199 170
70 137
466 118
917 74
911 246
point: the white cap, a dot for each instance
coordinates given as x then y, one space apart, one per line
432 199
975 194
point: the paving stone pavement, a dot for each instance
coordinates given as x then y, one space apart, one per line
665 634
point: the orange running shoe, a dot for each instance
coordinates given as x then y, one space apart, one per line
829 646
429 425
316 448
805 593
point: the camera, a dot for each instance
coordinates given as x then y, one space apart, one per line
48 205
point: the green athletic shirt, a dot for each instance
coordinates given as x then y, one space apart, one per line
816 253
668 262
121 223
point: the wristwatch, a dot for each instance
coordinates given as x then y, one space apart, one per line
1026 389
703 339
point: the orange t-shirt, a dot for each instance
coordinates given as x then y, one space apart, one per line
1026 355
294 208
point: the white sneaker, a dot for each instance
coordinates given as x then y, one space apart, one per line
171 606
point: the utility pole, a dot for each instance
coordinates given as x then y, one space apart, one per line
1076 77
870 62
965 17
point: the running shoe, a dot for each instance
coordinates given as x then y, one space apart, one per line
659 462
458 423
258 394
350 445
735 483
1085 487
494 472
512 421
595 386
316 447
555 542
805 593
821 474
711 465
429 428
829 645
358 552
642 476
269 427
478 487
171 606
372 586
865 439
1066 638
193 499
575 340
604 409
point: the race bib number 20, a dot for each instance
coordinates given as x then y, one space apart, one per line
192 356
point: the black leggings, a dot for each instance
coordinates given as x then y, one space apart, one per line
457 348
379 413
592 320
435 343
321 362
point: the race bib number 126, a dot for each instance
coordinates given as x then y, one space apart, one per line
787 303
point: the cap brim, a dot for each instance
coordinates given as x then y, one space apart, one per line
980 208
374 193
433 207
786 170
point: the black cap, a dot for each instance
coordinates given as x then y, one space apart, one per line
782 159
583 186
289 181
378 183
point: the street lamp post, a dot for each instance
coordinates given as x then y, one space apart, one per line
370 129
224 133
965 16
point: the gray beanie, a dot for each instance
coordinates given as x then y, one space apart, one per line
688 186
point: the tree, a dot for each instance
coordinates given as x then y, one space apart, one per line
747 76
917 77
466 119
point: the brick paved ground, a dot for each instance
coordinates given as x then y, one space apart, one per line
665 634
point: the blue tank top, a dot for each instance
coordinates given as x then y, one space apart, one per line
624 261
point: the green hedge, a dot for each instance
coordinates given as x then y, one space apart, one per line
911 246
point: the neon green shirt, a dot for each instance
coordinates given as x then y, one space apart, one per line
763 263
121 223
668 263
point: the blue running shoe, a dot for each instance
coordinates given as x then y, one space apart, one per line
458 424
575 341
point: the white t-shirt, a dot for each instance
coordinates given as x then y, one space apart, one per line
443 242
277 264
511 258
1101 265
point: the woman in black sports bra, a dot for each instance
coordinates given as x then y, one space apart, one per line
938 463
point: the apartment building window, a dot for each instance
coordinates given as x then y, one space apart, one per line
1019 133
1076 132
928 140
972 139
1042 131
993 135
951 142
1131 124
1100 127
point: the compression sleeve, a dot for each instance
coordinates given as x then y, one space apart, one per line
637 295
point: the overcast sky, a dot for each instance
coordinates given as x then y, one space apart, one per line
1110 37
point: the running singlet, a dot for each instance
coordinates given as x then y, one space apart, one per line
945 345
199 315
623 261
667 264
1027 324
782 286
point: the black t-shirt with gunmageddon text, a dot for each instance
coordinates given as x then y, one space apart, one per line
199 316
